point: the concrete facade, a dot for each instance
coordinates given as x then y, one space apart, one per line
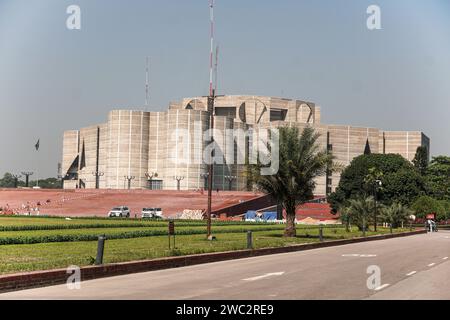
164 150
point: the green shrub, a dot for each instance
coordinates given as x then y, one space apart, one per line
425 205
122 235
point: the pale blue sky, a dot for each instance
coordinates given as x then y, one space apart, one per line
53 79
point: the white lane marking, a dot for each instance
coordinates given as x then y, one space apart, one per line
431 264
359 255
382 287
411 273
444 258
264 276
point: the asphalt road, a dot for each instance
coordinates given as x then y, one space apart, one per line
416 267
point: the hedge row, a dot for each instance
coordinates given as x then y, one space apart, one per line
140 224
123 235
78 226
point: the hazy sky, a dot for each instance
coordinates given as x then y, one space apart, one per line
53 79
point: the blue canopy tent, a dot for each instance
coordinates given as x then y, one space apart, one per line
269 216
250 215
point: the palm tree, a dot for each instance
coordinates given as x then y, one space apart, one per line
395 214
360 210
301 161
345 217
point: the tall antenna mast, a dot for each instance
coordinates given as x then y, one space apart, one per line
215 69
211 14
146 84
211 124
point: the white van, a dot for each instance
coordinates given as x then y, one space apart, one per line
152 213
120 212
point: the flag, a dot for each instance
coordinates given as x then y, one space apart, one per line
37 145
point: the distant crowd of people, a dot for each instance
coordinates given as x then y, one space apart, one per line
25 208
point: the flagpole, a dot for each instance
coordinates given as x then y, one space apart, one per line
37 146
37 171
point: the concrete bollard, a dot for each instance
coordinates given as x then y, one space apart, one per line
321 234
249 240
100 250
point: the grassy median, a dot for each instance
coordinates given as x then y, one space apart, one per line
52 245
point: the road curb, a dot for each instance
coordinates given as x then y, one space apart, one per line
28 280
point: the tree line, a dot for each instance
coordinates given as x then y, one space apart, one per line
418 188
9 181
373 189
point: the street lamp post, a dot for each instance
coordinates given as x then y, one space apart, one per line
129 179
205 178
27 175
179 179
97 175
150 176
211 100
378 184
230 180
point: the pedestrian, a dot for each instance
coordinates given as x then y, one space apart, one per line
429 226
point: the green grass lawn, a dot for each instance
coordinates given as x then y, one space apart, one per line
47 236
230 236
115 231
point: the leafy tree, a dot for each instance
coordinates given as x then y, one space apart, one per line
446 206
438 178
395 214
400 180
372 180
420 160
8 181
403 186
425 205
360 211
445 214
301 161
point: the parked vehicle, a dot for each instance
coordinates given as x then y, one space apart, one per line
152 213
120 212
